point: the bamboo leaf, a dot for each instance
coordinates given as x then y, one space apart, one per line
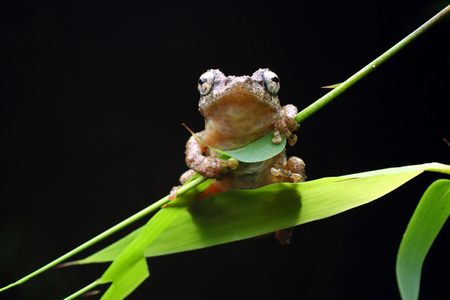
127 279
301 116
428 218
237 215
130 269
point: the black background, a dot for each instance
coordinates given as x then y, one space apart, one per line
92 98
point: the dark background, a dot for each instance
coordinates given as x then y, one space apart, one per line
92 98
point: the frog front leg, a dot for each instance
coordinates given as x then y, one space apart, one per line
292 170
206 165
286 125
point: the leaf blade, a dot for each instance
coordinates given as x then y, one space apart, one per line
129 269
274 215
246 214
428 218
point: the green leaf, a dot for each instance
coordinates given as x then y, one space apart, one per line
237 215
127 279
301 116
112 251
425 224
129 269
260 150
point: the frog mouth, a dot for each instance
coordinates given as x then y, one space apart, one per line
240 113
241 94
239 105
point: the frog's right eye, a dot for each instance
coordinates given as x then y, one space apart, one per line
271 82
205 83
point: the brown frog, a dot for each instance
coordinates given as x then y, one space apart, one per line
238 111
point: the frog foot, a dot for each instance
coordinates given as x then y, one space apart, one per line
292 171
205 165
173 194
186 176
183 179
286 124
284 236
213 168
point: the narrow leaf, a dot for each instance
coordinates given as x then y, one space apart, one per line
425 224
127 280
129 269
112 251
237 215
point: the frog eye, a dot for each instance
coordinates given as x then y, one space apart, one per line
205 83
271 82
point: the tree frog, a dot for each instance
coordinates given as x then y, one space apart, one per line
239 110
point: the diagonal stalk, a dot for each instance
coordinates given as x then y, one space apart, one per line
304 114
324 100
84 290
107 233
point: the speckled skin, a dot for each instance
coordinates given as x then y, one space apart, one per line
238 111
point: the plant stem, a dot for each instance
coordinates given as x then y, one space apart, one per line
304 114
83 290
108 232
311 109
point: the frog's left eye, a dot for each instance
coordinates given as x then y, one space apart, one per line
271 82
205 83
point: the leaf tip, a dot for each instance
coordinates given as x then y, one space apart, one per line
91 293
447 142
67 264
332 86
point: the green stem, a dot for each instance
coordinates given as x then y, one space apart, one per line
107 233
83 290
311 109
304 114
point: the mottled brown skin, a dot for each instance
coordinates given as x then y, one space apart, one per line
238 111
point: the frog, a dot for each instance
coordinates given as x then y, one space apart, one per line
237 111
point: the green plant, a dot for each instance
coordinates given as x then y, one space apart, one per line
128 254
